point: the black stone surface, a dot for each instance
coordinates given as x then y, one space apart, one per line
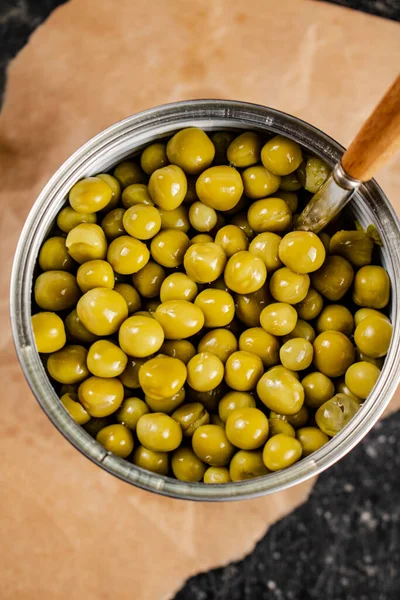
344 543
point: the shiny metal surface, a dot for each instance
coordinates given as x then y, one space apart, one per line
328 201
116 143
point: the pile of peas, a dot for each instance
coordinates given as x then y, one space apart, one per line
189 329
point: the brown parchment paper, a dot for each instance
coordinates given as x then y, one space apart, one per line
68 529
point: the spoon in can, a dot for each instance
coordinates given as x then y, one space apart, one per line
374 145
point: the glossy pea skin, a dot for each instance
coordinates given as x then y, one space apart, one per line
334 414
371 287
247 428
281 451
86 242
231 239
216 475
186 466
278 318
68 218
95 274
333 353
281 155
278 425
269 214
134 194
220 187
258 182
363 313
117 439
248 307
102 311
244 150
266 246
140 336
141 221
335 317
297 420
178 286
334 278
211 445
153 157
101 397
162 377
127 255
191 416
311 306
355 246
296 354
48 332
341 388
156 462
311 439
302 251
202 238
280 391
115 188
90 195
54 256
247 464
130 377
175 219
318 388
234 400
56 290
106 359
243 370
159 432
166 405
205 372
220 342
179 319
245 273
149 279
168 247
217 306
128 173
204 262
68 365
289 287
130 412
130 295
75 409
76 330
181 349
191 149
373 335
167 187
301 330
112 224
202 218
261 343
361 378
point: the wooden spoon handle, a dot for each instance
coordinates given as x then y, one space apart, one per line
378 139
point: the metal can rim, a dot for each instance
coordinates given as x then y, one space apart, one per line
116 143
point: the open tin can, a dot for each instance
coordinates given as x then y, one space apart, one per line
369 206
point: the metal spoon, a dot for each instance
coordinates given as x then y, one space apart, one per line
374 145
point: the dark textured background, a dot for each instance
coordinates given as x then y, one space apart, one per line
344 543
